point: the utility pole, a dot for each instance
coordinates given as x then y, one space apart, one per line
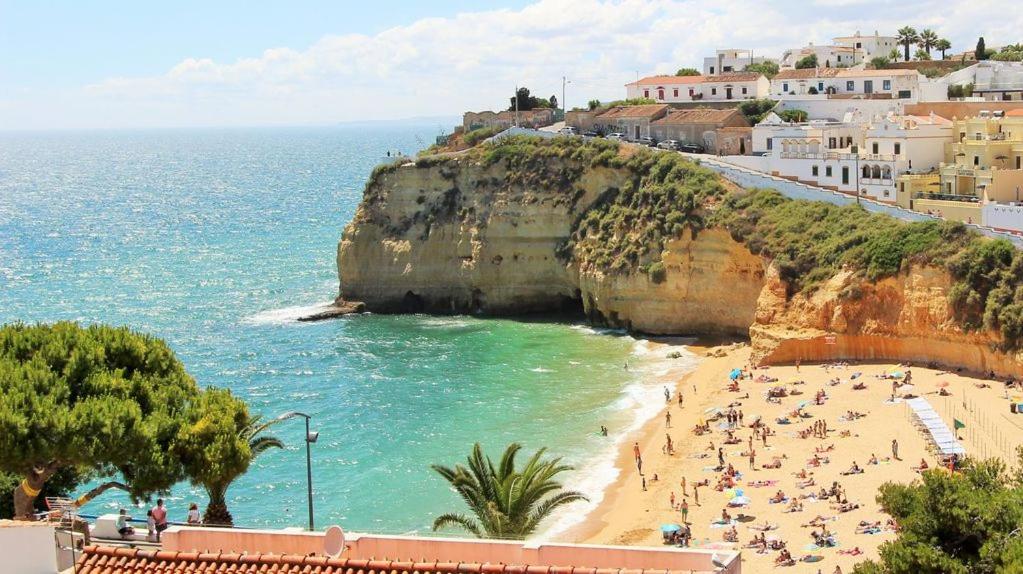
516 100
856 153
564 106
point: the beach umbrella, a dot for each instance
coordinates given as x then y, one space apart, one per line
735 374
738 501
669 528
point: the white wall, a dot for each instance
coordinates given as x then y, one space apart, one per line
1002 216
27 549
822 108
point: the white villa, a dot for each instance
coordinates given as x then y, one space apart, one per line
681 89
867 155
731 60
846 51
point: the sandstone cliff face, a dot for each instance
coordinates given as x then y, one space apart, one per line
467 239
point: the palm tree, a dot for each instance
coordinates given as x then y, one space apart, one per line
907 36
927 41
253 433
943 45
507 503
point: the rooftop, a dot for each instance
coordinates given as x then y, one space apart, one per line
804 73
641 111
666 79
696 116
736 77
851 73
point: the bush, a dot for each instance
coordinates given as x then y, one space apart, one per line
755 110
807 62
657 272
476 136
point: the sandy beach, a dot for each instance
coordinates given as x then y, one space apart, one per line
630 515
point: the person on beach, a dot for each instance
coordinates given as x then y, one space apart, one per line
123 528
684 507
667 419
797 365
671 500
680 399
193 514
740 418
150 526
752 459
683 483
639 467
160 517
667 395
721 456
644 483
696 493
635 451
895 449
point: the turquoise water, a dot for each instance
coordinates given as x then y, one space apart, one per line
216 240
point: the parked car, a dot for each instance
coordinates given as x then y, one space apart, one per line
568 131
617 136
591 134
647 141
691 148
669 144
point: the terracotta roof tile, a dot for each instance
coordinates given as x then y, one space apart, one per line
806 73
736 77
115 560
666 80
697 116
645 110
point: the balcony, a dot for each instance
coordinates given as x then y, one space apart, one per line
946 197
832 155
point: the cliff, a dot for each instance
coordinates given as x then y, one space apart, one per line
504 234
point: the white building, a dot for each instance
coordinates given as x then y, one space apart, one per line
828 56
807 81
849 155
682 89
869 46
850 83
726 61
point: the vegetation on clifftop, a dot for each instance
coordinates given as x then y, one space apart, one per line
665 195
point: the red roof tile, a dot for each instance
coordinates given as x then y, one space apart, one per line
665 80
115 560
697 116
640 111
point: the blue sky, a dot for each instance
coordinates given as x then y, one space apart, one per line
94 64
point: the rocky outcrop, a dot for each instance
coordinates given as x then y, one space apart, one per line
467 237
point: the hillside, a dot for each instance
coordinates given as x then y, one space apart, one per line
653 243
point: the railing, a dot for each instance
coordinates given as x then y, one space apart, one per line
836 156
946 197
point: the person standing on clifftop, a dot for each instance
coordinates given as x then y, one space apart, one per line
895 449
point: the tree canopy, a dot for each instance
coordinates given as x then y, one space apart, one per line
980 52
769 69
528 102
96 401
506 502
907 36
807 62
687 72
960 523
755 110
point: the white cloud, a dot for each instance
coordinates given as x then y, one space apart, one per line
438 66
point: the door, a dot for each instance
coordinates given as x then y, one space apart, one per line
637 132
868 86
728 93
845 175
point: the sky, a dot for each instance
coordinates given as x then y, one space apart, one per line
92 64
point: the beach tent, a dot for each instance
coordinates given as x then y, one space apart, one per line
735 374
669 528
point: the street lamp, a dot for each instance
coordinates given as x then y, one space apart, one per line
310 438
856 153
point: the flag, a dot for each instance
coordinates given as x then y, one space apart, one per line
958 424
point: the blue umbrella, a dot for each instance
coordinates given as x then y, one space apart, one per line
669 528
735 374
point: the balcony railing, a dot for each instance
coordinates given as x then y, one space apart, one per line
836 156
946 197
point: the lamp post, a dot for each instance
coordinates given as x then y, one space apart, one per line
856 154
310 438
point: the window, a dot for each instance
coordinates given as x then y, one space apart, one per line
976 160
866 172
898 148
1017 162
873 148
845 175
827 171
850 85
712 70
814 171
875 172
676 93
744 89
785 87
887 85
770 143
904 94
646 94
820 87
713 91
832 143
660 93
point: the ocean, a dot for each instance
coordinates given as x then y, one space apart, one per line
216 240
